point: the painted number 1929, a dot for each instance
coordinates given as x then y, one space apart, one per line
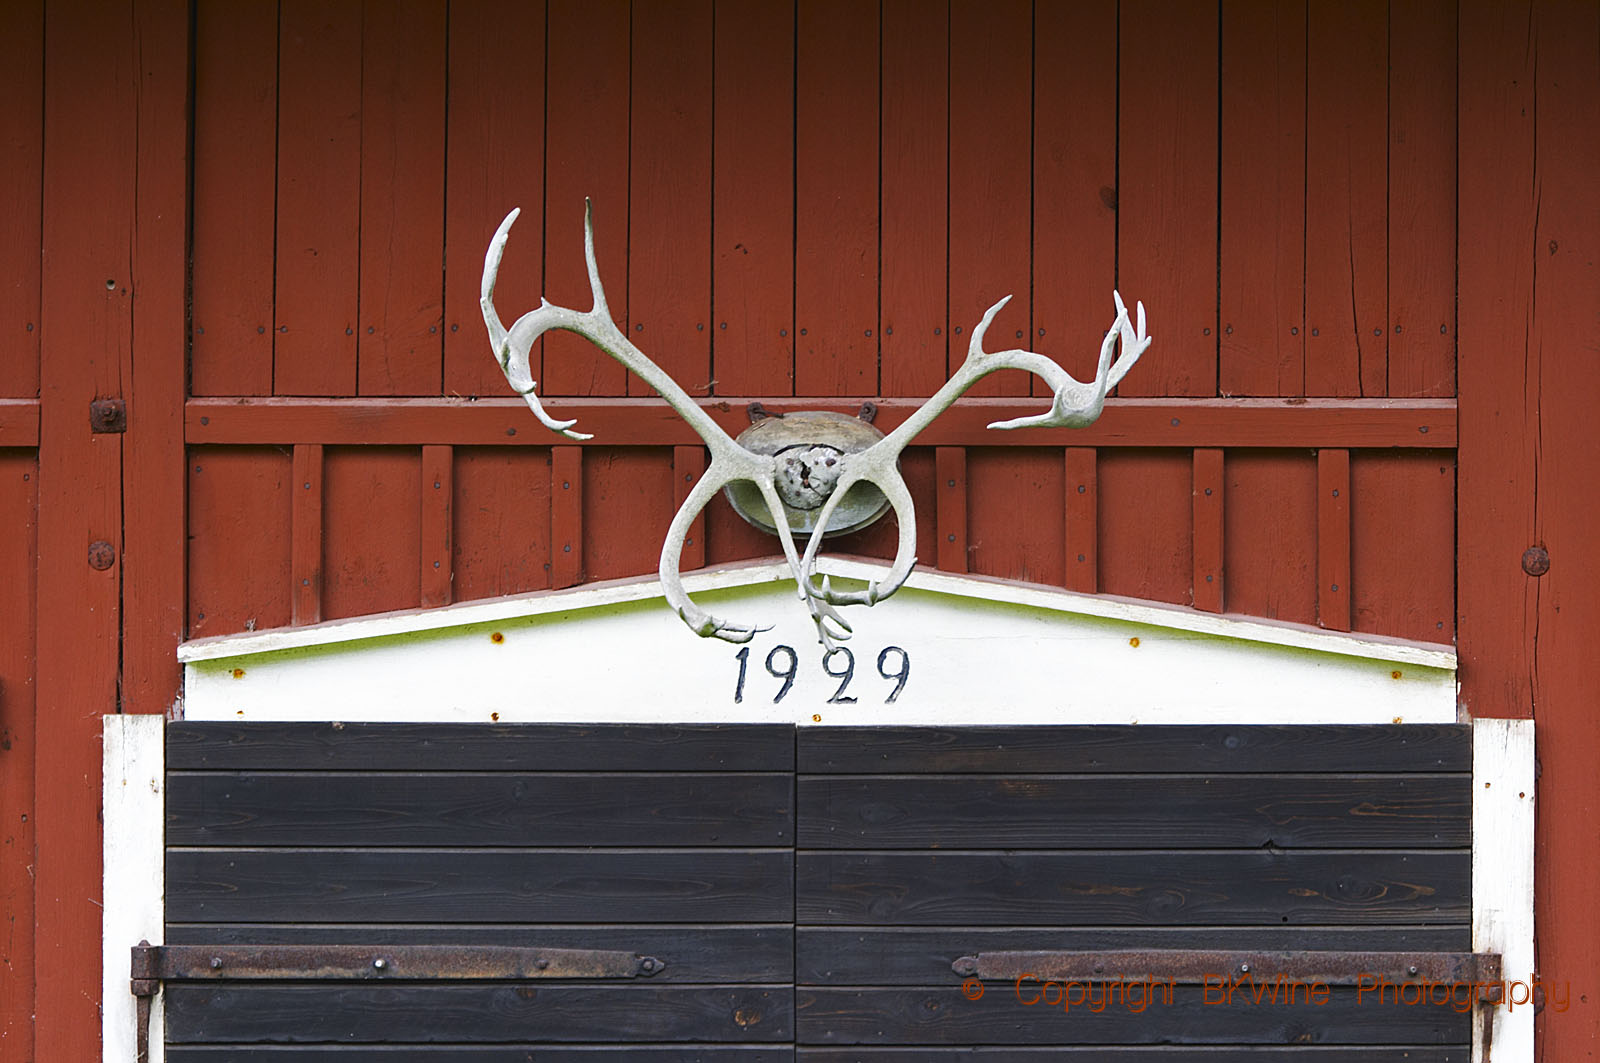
784 663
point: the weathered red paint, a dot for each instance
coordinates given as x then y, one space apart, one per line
669 193
399 348
318 258
1263 187
90 168
1330 207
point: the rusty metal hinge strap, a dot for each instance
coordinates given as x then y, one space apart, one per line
210 963
1196 965
154 964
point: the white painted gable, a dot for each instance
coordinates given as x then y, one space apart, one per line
980 652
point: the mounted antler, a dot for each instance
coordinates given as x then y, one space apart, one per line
1074 405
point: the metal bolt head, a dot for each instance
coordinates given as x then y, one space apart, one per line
102 555
1244 968
1536 561
108 415
216 963
1412 970
380 963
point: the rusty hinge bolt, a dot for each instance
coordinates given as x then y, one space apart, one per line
108 415
102 555
1536 561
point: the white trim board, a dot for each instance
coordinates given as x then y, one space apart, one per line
134 874
981 651
1502 880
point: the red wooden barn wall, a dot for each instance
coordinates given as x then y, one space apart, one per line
809 204
819 201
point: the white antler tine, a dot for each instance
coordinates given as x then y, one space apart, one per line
594 267
491 273
975 345
701 622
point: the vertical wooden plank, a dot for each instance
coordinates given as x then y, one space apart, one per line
1347 172
1333 538
688 465
1566 307
319 197
586 155
502 521
566 516
950 469
435 525
22 139
1497 602
153 529
235 195
1270 534
241 535
1167 192
371 547
991 174
19 486
626 510
1208 529
1262 284
1402 543
753 178
398 347
669 193
90 165
307 534
1422 198
836 198
1006 487
913 227
494 161
1145 514
1082 519
1075 171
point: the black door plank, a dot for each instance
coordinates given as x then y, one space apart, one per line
480 747
692 953
1135 812
523 1053
1170 888
437 886
1161 1054
332 1012
945 1016
917 956
466 809
1121 749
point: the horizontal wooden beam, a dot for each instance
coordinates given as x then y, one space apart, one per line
1349 423
19 422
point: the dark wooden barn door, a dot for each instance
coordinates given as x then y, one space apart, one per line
921 846
827 894
666 842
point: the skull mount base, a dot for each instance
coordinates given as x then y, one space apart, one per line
809 452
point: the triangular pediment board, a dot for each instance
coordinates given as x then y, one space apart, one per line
980 651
